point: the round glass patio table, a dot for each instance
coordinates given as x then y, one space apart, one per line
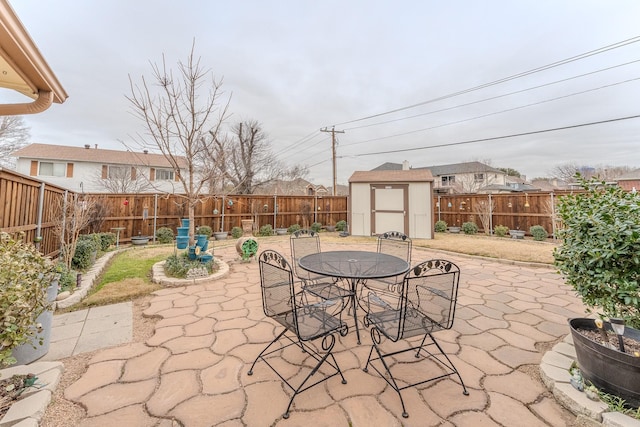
355 266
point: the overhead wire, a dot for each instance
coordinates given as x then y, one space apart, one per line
495 138
493 113
493 97
501 80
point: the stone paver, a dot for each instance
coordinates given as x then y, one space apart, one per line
193 370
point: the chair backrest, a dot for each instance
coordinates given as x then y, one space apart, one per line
429 296
303 242
396 244
276 284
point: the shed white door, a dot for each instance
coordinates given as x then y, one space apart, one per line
390 204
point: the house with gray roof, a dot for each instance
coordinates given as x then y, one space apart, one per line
468 177
95 170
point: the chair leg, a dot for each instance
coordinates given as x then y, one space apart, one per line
375 337
264 350
450 365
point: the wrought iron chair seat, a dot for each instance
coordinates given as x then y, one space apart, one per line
302 322
425 305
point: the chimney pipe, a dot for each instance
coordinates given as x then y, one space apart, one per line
87 146
146 151
96 145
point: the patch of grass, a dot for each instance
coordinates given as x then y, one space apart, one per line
127 277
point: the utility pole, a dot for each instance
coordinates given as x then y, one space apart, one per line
333 150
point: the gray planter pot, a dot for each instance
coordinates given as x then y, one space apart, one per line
139 240
516 234
281 231
454 230
220 235
32 350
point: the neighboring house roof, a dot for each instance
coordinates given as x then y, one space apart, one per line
23 68
520 188
458 168
439 170
411 175
94 155
634 175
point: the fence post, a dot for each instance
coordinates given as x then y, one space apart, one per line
64 220
155 216
438 207
222 215
490 216
553 216
40 210
275 210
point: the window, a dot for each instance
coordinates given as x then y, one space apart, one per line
52 169
448 180
164 175
478 177
119 172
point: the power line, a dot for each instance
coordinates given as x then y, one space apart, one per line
494 97
504 79
472 141
493 113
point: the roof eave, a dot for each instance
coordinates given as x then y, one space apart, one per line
26 69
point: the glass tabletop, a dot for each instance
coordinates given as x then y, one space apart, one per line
354 264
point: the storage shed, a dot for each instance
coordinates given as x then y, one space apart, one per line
391 200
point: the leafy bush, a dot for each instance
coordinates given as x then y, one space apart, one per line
599 253
67 280
205 229
316 226
295 227
179 265
84 255
500 230
266 230
341 225
25 275
441 226
236 232
106 240
538 232
164 235
469 228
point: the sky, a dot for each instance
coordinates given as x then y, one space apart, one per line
404 80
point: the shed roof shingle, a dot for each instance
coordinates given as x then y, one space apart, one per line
412 175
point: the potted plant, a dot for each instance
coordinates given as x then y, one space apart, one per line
28 288
600 258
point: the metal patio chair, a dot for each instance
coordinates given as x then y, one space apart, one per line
282 301
305 242
390 243
426 304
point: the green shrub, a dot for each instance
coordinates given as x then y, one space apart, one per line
164 235
93 238
266 230
205 229
341 225
538 232
84 254
469 228
441 226
68 278
179 265
236 232
295 227
599 253
106 240
500 230
316 226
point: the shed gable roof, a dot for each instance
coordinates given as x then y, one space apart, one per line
411 175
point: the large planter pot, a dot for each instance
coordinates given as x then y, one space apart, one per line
182 242
183 231
455 230
247 227
202 240
247 247
32 350
139 240
516 234
609 370
281 231
220 235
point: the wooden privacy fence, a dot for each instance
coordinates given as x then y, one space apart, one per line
27 205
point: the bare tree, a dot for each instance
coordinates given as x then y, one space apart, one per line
565 171
484 210
250 162
73 213
122 180
14 134
183 115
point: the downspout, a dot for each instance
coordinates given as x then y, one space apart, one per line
41 103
